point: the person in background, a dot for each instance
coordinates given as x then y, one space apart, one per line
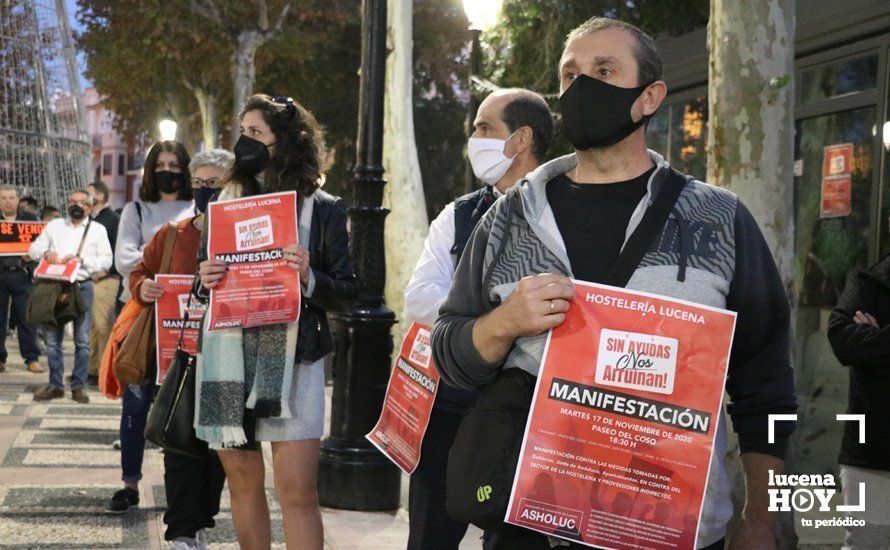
29 204
193 485
49 213
58 243
512 132
859 333
165 196
15 287
106 284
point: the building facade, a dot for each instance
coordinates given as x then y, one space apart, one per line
115 161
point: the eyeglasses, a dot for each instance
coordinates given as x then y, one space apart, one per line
210 182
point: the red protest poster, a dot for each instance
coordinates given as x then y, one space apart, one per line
66 271
16 237
409 401
837 168
249 234
170 310
618 444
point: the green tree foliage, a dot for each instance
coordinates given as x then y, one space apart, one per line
527 45
441 39
140 53
145 56
523 50
316 62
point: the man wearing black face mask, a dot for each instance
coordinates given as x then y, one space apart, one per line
594 216
61 240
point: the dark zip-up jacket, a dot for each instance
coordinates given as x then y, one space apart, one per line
866 350
710 251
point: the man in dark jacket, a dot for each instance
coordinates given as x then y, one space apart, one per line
15 287
859 332
571 218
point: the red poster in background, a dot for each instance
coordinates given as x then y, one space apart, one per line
170 310
618 444
249 235
66 271
409 401
16 237
837 188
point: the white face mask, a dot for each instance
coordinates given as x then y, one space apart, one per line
487 158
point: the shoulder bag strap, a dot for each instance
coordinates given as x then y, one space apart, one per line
185 320
83 239
169 241
650 226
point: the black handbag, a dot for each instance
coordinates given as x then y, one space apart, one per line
170 423
483 458
482 461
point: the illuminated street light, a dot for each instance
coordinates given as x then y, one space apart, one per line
483 14
167 126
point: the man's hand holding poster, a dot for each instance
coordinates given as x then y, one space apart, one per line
409 401
618 444
170 321
249 234
65 271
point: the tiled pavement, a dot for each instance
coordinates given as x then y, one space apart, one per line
58 468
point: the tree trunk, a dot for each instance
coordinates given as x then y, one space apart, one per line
244 66
751 136
407 224
209 118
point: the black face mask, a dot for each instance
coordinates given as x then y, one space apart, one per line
251 156
76 212
203 196
596 114
169 182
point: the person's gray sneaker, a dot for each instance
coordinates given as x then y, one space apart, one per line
201 539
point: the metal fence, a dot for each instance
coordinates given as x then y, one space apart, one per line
44 148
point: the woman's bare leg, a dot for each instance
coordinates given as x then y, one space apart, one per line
250 511
295 466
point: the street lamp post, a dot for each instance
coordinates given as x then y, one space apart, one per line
473 104
352 474
482 15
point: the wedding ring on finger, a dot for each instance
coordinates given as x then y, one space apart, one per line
552 305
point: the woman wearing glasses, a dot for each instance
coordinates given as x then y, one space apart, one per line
193 485
280 149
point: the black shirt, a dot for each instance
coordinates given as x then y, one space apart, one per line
592 219
109 219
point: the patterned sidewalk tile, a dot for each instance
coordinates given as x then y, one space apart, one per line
68 516
73 531
65 440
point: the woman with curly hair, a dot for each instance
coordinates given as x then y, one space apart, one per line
280 149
